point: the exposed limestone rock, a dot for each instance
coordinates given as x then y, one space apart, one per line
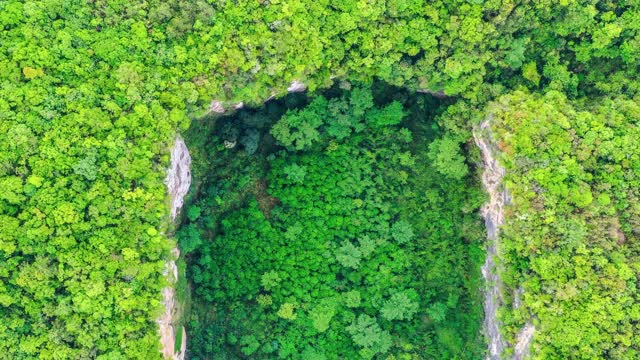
178 181
517 297
523 341
437 94
493 218
296 86
216 107
493 213
271 97
165 324
178 177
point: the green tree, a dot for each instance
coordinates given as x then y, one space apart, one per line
249 344
300 128
366 333
445 155
295 173
402 232
400 306
322 314
190 238
348 255
270 280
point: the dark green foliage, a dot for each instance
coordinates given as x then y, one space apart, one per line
337 258
190 238
579 47
250 141
249 344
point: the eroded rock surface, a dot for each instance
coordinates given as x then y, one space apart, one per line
216 107
296 86
178 177
523 341
493 213
178 181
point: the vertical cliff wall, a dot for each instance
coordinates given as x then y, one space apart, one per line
178 181
493 213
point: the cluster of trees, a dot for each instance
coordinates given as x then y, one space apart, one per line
83 135
571 234
341 255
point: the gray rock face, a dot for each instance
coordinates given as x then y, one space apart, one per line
296 86
216 107
493 213
493 218
178 181
437 94
523 341
178 177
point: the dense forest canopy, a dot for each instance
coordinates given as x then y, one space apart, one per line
92 94
334 238
572 239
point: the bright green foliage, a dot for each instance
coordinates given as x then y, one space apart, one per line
295 173
352 298
270 280
530 72
366 333
264 300
390 115
299 128
306 265
322 314
571 240
348 255
400 306
446 158
84 133
402 232
91 94
335 118
287 311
